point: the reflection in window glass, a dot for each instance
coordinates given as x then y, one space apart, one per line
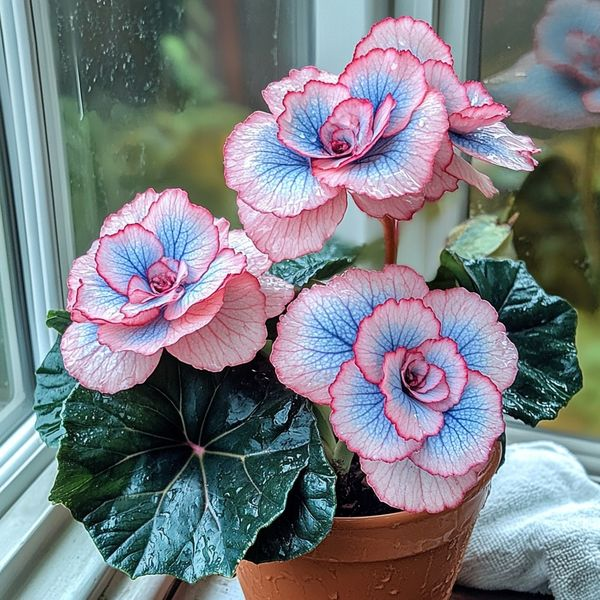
545 66
149 90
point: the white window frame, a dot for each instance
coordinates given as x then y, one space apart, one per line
43 536
23 456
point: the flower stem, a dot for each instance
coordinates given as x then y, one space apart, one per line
328 438
390 238
342 458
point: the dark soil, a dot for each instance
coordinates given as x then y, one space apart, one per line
355 497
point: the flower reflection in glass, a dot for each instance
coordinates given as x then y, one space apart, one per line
558 84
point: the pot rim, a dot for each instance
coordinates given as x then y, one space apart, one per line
376 521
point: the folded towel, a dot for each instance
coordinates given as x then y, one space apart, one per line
540 528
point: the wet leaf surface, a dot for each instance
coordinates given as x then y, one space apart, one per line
53 387
308 515
541 326
177 475
333 258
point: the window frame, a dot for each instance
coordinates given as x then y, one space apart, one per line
23 456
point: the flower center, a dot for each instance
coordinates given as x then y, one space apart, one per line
414 371
340 146
162 282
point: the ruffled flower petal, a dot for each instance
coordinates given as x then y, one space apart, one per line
257 262
470 430
382 73
405 486
225 265
317 334
276 91
496 144
477 93
234 335
289 237
442 180
406 33
412 419
90 298
404 323
402 208
351 126
473 324
464 171
278 294
397 165
132 212
358 418
441 77
97 367
305 114
444 354
269 177
143 339
475 117
129 252
186 231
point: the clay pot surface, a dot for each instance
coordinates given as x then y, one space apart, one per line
402 556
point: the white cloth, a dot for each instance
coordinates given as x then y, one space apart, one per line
540 528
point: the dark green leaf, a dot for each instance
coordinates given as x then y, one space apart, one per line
541 326
53 387
333 258
178 475
58 319
308 515
450 273
502 440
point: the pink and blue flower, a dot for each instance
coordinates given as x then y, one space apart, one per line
475 126
413 378
165 274
384 130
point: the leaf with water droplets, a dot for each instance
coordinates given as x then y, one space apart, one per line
540 325
308 515
178 475
333 258
53 387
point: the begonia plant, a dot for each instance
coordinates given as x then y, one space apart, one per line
196 427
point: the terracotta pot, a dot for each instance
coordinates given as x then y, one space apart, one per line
408 556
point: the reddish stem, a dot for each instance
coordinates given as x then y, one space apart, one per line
390 239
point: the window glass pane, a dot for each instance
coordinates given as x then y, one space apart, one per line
545 65
15 367
149 90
